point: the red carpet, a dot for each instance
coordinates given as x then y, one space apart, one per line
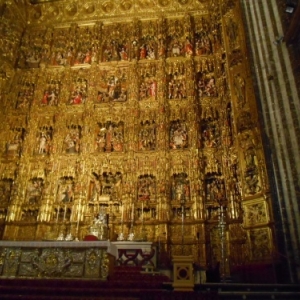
124 283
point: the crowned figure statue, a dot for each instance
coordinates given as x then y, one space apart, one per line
99 226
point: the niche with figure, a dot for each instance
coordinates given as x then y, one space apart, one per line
61 47
215 195
227 131
109 137
51 93
176 80
206 85
34 191
112 85
146 188
146 195
34 47
14 144
178 135
25 95
66 188
215 190
85 51
104 187
44 140
208 36
180 188
180 40
5 191
148 87
180 195
79 91
116 45
72 139
210 132
147 135
148 41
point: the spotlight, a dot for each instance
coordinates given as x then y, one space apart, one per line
289 9
290 6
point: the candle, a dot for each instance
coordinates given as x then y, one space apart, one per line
78 217
65 212
132 215
122 217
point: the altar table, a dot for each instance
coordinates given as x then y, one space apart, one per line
70 259
54 259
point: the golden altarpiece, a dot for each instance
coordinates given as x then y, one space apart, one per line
142 110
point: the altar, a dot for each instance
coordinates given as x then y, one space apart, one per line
54 259
71 259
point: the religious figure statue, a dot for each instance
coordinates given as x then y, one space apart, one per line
147 136
34 191
112 88
247 144
131 236
5 191
178 135
188 47
50 97
44 141
240 89
96 188
180 189
110 137
13 147
216 191
252 182
79 92
72 141
211 135
148 88
146 187
67 192
99 226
